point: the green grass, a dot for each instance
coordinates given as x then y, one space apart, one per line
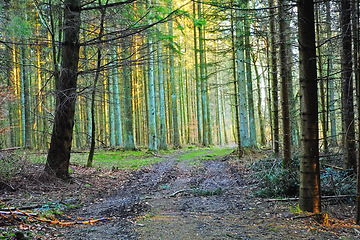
192 154
207 153
135 159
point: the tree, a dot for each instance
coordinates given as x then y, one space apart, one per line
151 94
309 198
58 158
284 75
174 108
347 80
274 80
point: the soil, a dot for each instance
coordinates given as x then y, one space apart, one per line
189 199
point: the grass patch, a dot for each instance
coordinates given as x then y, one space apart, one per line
219 152
192 154
205 154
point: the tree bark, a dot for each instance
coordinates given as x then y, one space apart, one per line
274 80
58 158
284 75
309 198
347 79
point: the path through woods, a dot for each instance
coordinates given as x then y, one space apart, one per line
197 198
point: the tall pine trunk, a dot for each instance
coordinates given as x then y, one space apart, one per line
284 75
274 80
309 198
347 80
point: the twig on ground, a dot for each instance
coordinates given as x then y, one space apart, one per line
180 191
18 213
6 206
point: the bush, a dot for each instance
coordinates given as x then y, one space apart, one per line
11 165
337 182
274 180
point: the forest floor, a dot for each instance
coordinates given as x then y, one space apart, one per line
197 198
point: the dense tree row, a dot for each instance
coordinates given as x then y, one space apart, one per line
158 74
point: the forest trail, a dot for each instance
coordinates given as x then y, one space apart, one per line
194 198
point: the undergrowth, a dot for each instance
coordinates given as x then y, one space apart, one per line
11 165
277 182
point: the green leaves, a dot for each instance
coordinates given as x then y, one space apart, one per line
18 27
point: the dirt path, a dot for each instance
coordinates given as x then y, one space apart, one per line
194 199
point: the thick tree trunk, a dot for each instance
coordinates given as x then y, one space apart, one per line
309 199
58 158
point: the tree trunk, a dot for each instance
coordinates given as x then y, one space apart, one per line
274 80
241 78
236 87
203 87
249 80
197 79
330 80
151 96
309 198
347 79
128 106
117 110
96 79
174 110
58 158
284 75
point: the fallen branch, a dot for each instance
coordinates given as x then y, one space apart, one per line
57 222
233 236
296 199
21 208
180 191
9 149
333 167
18 213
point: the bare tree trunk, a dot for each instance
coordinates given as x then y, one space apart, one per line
274 80
58 158
284 75
347 79
309 198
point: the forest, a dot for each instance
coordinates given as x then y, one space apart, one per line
255 79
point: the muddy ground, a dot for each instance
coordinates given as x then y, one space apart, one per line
189 199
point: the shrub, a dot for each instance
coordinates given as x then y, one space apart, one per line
275 181
11 165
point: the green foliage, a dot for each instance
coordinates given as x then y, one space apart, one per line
295 209
18 27
199 22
